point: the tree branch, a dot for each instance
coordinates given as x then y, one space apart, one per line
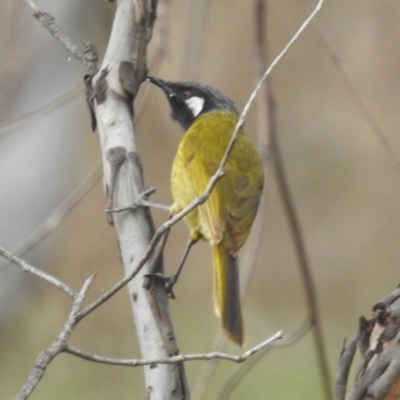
35 271
113 89
57 346
177 359
87 56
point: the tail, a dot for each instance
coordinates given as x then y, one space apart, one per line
227 293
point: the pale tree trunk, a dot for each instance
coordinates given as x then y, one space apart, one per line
113 90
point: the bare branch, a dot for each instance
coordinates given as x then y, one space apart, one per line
177 359
57 346
35 271
87 56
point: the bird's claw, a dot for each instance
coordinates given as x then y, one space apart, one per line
169 282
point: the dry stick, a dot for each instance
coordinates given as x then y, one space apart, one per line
352 88
35 271
87 56
42 110
244 369
57 346
176 359
54 220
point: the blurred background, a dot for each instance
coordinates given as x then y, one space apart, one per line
344 178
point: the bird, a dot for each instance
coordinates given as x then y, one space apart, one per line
208 119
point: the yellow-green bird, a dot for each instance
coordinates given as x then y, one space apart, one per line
209 118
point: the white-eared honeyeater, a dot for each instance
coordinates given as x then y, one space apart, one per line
209 118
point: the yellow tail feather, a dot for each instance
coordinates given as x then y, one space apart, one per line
227 293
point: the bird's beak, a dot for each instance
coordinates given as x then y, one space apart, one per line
161 83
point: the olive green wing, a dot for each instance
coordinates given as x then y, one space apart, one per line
233 203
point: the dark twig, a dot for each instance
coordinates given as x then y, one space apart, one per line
57 346
176 359
35 271
87 56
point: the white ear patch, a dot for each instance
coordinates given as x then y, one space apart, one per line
195 105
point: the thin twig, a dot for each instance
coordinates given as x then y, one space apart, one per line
87 56
35 271
42 110
57 346
176 359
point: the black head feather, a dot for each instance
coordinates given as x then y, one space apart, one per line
189 100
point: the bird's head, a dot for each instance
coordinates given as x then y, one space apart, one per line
189 100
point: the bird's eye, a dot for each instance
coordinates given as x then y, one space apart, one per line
186 94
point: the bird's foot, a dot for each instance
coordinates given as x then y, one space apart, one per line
169 282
